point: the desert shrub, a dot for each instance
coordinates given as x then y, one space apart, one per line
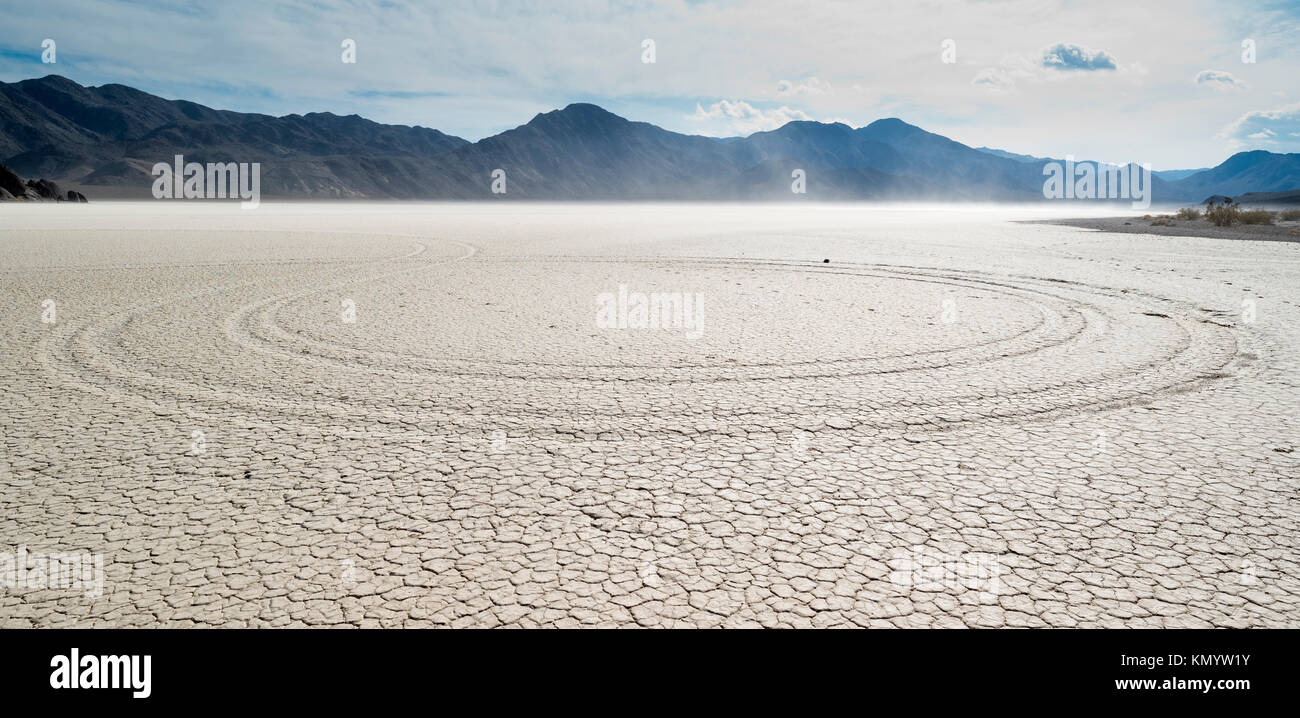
1289 215
1189 213
1255 216
1223 215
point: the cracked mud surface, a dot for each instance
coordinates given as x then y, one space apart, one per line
957 421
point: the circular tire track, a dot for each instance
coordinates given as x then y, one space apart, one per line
1026 375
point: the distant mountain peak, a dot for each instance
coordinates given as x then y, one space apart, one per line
585 108
1250 156
578 112
578 118
892 124
52 79
814 126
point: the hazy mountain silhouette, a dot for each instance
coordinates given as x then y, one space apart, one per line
112 135
1255 171
1167 175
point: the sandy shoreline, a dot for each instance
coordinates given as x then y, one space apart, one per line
1280 232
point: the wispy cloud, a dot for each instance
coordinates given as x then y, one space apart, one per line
1219 80
1277 130
395 94
810 86
1002 79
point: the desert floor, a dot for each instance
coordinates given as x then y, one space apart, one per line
401 415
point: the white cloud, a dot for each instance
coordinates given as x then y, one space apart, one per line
1061 62
1219 80
1068 56
741 118
1277 130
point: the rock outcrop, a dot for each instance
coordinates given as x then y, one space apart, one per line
11 184
12 187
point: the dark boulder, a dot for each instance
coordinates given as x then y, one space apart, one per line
75 196
1218 199
11 182
4 194
46 189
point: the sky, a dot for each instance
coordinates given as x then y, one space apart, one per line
1167 83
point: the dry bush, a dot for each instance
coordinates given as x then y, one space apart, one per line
1255 216
1223 215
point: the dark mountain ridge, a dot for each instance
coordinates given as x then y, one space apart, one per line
111 136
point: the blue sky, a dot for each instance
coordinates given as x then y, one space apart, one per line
1158 82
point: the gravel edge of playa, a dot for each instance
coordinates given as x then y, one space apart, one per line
1281 232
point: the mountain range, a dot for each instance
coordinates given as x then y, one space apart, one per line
110 136
1168 175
